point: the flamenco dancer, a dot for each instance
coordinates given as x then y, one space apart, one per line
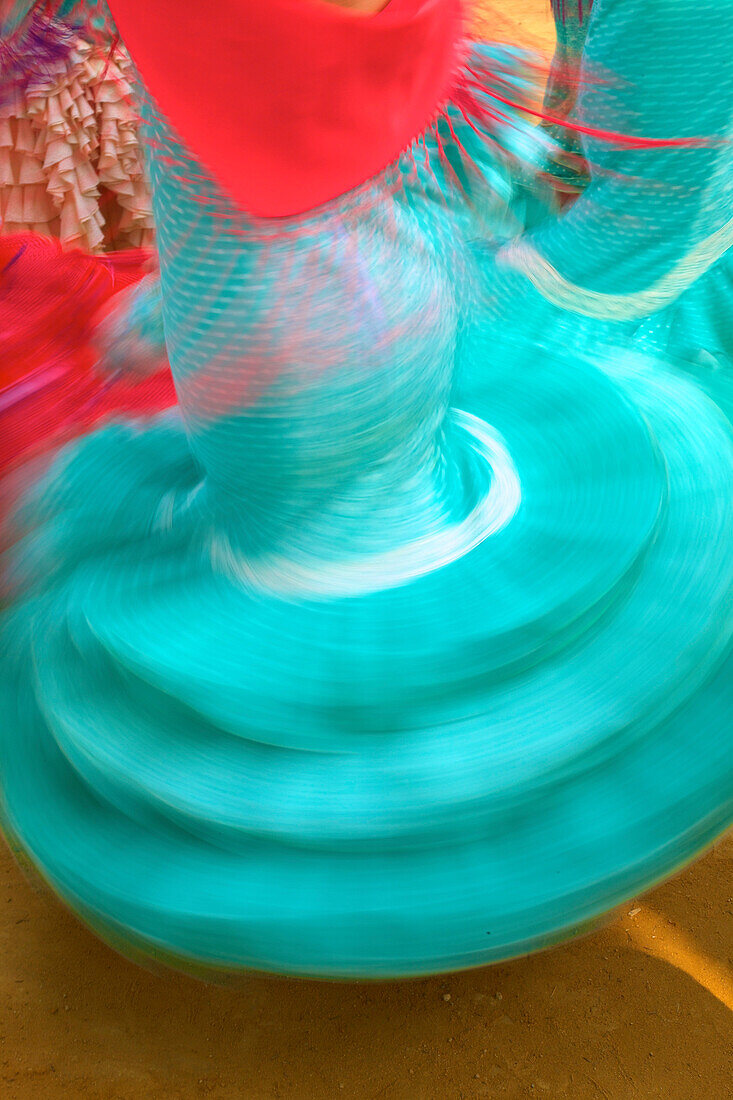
70 155
648 247
402 644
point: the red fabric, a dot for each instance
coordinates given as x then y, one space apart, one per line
49 390
289 103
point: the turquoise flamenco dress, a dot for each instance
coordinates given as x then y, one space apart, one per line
403 644
647 247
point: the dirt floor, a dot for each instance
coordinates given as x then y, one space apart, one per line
642 1010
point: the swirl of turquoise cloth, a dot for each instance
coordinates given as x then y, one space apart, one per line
403 645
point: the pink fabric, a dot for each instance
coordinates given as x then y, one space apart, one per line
289 103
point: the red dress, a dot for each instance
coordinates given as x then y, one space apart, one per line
50 390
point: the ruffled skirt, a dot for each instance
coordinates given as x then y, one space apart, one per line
403 644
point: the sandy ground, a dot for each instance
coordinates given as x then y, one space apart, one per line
642 1010
639 1011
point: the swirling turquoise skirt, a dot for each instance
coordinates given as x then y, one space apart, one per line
410 663
453 770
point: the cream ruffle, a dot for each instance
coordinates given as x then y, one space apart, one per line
71 163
